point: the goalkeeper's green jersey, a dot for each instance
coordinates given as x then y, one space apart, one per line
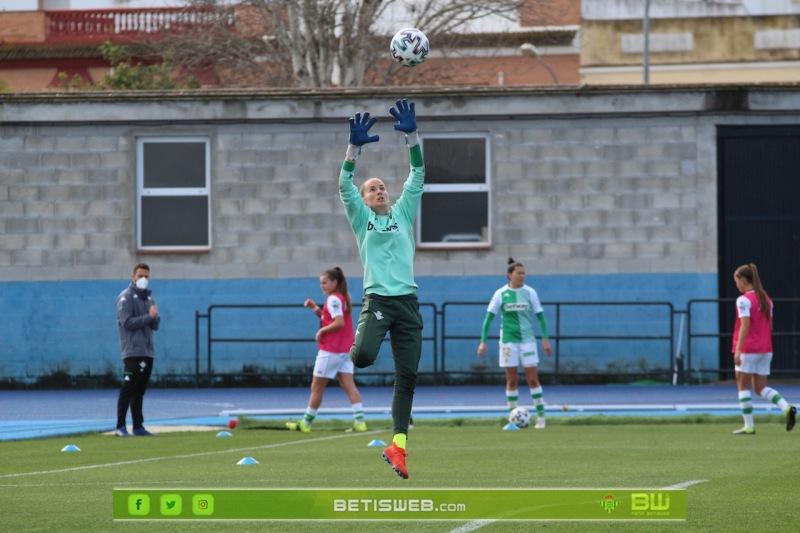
517 307
385 243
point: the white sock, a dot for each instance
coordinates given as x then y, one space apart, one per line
310 415
512 396
746 404
538 401
358 412
771 395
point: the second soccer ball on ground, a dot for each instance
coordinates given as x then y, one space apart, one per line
520 417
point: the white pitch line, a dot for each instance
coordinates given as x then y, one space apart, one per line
186 456
686 484
477 524
471 526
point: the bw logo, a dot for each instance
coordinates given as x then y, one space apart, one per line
641 501
378 315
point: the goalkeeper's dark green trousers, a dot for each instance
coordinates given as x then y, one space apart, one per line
399 316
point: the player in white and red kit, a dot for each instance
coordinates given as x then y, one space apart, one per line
752 348
334 339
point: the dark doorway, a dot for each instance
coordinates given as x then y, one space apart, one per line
759 222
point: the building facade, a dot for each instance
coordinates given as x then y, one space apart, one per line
48 45
232 198
687 42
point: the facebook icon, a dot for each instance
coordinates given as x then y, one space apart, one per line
139 504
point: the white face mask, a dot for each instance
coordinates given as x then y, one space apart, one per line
142 283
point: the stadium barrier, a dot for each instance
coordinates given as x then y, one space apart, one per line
612 341
592 341
709 329
228 324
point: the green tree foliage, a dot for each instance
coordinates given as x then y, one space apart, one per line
129 74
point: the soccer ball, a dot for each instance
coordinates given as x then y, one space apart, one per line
410 47
520 417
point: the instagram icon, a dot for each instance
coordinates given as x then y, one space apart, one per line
203 504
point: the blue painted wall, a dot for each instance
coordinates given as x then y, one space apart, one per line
71 325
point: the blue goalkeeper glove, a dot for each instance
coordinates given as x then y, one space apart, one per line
405 115
359 130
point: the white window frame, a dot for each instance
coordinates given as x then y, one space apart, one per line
142 192
464 187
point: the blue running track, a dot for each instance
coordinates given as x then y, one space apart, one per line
37 413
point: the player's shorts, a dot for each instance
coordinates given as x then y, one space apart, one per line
512 353
329 364
755 363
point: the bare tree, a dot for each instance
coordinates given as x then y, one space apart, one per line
311 43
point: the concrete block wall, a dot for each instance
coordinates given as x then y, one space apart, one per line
601 196
576 193
605 196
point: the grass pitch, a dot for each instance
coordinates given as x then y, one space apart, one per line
733 483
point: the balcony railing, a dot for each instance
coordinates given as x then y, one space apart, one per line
125 25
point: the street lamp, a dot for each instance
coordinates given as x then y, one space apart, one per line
646 52
527 49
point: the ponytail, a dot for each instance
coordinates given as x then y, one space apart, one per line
337 274
750 273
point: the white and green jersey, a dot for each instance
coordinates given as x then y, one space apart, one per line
517 308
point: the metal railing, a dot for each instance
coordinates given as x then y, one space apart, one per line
565 334
561 336
695 334
213 339
99 25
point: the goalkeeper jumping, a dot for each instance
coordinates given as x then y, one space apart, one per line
385 236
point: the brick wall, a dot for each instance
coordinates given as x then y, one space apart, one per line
23 28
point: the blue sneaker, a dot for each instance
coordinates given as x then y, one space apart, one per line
141 432
122 432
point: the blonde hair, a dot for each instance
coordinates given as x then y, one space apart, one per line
361 187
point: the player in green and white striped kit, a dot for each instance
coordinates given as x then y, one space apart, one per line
517 304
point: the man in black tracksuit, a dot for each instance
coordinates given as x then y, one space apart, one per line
137 318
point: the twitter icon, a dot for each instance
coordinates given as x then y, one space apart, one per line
171 504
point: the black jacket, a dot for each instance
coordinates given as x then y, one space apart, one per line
134 323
